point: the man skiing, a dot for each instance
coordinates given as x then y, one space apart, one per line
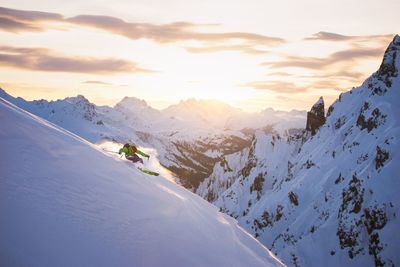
131 152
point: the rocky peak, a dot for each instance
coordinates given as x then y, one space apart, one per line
131 103
389 67
79 99
81 104
316 116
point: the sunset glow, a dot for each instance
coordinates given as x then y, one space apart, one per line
252 55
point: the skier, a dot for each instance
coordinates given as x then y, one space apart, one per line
131 152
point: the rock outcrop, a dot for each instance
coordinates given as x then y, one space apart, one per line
316 116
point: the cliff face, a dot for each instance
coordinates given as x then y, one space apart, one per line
330 199
316 116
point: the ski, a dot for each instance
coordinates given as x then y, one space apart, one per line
148 172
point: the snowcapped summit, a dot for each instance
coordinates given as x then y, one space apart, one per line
390 65
77 99
138 111
63 202
202 112
129 101
316 116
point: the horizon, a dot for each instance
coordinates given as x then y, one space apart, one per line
149 105
277 58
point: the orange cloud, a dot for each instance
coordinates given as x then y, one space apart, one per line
329 36
348 55
23 20
41 59
282 87
276 86
97 82
11 25
248 49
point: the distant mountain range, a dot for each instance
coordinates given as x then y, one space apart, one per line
190 137
317 188
65 202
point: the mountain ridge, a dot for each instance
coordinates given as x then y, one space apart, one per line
189 147
330 188
79 201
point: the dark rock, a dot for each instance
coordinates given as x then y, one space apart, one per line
374 248
278 213
352 197
374 120
210 196
252 161
340 121
308 164
258 185
265 221
381 157
388 69
290 171
330 110
316 116
375 218
293 198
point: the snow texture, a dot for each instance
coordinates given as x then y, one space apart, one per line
330 198
189 137
63 202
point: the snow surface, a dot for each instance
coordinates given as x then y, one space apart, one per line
64 202
178 133
331 199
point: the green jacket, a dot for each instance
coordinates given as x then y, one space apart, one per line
129 152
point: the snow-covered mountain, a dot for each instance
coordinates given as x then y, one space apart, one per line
204 113
63 202
190 137
328 195
216 114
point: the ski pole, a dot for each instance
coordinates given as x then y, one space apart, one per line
111 152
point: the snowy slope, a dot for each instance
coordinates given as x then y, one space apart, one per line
189 137
65 203
328 199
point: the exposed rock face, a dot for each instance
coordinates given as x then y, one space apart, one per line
316 116
388 68
328 199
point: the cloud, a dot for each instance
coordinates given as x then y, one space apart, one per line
248 49
280 73
343 74
167 33
14 20
98 82
29 15
348 55
11 25
329 36
324 84
42 59
276 86
282 87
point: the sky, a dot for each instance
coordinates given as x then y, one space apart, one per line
250 54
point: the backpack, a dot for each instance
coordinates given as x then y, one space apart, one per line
131 148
